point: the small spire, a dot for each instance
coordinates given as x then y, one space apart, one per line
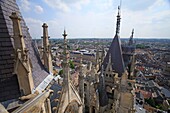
118 22
65 47
131 38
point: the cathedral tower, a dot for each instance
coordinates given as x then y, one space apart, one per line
115 51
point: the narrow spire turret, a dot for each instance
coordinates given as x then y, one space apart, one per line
103 98
46 49
131 38
65 63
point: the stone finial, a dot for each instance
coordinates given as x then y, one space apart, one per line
45 25
45 37
14 15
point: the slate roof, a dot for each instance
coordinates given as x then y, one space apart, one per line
9 88
116 56
55 87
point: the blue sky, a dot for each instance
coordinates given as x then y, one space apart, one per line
97 18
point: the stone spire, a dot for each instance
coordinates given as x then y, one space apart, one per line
69 94
115 50
131 38
22 66
81 80
65 63
46 49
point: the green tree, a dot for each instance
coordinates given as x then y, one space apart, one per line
72 66
60 72
140 46
151 102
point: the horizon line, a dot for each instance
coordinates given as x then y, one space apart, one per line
107 38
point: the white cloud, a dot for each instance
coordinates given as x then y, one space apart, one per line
66 5
150 22
58 4
78 5
25 5
38 9
34 26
